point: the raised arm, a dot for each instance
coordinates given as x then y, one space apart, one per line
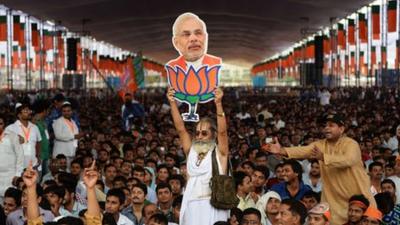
184 136
90 178
30 177
222 132
292 152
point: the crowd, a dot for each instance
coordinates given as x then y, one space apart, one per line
140 162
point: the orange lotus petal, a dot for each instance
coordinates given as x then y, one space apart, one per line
202 75
212 76
172 78
180 80
192 82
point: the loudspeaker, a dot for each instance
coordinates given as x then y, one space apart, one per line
77 81
319 51
67 81
71 53
309 75
72 81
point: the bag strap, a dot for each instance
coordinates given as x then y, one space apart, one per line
215 170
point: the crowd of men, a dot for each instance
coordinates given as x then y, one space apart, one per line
138 157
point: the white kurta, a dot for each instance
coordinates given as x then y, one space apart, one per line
65 142
32 137
196 208
11 160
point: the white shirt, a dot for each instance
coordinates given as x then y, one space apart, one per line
279 124
396 181
393 143
324 98
242 116
31 136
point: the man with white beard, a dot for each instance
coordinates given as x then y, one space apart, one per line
196 199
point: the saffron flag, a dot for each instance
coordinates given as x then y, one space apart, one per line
16 28
376 26
362 28
351 31
392 15
3 28
48 40
341 36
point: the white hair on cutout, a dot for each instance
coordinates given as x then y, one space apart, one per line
180 19
183 17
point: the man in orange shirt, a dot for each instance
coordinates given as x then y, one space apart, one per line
342 171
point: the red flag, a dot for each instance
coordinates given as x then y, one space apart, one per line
391 14
35 36
22 35
341 36
3 28
48 40
351 32
376 26
362 30
310 50
16 28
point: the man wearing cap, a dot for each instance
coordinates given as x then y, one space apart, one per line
342 170
372 217
28 133
66 134
319 214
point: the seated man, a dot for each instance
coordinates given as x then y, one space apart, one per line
292 212
313 178
268 205
319 215
243 189
19 216
30 201
311 199
259 178
55 196
12 200
358 204
372 216
164 199
251 216
158 219
114 202
293 186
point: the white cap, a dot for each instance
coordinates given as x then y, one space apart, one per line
66 103
18 105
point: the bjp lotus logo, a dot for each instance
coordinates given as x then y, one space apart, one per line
193 86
